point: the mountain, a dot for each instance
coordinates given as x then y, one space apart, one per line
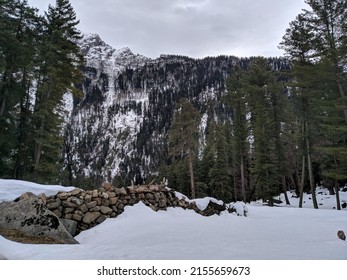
118 128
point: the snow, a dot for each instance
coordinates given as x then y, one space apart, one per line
121 128
11 189
267 233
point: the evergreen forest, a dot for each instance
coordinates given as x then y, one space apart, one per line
285 127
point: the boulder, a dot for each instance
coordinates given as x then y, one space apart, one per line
105 210
213 208
31 217
106 186
341 235
70 225
90 217
239 208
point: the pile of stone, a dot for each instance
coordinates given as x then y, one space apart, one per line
62 216
80 210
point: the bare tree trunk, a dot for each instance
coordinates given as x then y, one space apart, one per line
235 182
338 202
302 182
2 109
284 187
243 181
342 95
310 176
38 146
191 173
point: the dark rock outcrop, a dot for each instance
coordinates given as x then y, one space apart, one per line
30 216
341 235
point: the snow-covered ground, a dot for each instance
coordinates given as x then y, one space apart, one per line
267 233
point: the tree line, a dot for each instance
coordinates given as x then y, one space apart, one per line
39 63
283 133
285 130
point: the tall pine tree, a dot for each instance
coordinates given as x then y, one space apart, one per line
183 138
59 72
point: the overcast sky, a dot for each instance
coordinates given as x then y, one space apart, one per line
195 28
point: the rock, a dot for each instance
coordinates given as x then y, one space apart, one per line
105 210
120 191
213 208
91 204
149 196
69 204
341 235
32 218
344 205
105 202
84 208
68 216
113 200
162 203
75 192
63 195
239 208
101 219
95 209
95 193
70 225
77 217
76 201
98 200
152 207
106 186
68 210
88 198
90 217
111 194
57 212
26 195
105 195
277 201
53 205
101 190
43 198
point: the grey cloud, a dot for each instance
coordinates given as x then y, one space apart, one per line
189 27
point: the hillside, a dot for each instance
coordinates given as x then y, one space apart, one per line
118 129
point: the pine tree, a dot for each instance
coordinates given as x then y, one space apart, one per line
328 19
220 181
261 88
207 161
333 132
236 99
18 36
183 137
297 43
59 72
316 41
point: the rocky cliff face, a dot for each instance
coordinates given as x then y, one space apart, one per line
119 128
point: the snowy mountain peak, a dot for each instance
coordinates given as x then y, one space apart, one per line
99 54
90 41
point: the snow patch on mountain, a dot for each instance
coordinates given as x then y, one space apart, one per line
100 55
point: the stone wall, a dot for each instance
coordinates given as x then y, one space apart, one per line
80 210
